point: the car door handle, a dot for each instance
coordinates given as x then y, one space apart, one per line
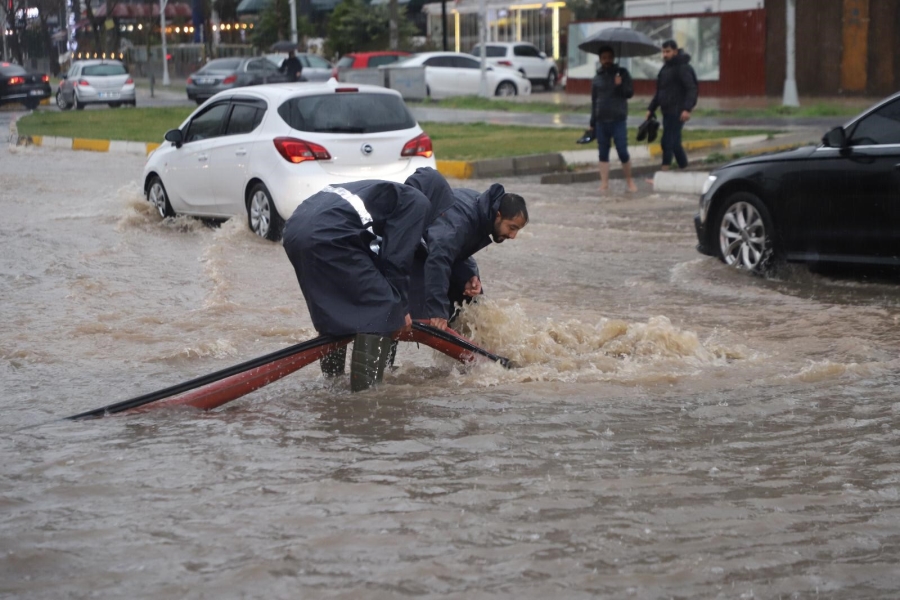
203 157
240 152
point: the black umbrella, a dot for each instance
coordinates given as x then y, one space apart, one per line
623 40
283 46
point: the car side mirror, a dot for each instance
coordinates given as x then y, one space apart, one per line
543 55
175 136
836 138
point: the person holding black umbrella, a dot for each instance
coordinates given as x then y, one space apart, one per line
610 90
291 66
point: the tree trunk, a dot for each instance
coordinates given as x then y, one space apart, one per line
394 43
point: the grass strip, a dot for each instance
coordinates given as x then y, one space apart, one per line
452 141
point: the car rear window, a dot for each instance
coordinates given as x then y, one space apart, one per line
104 70
345 61
11 69
489 51
347 112
222 64
386 59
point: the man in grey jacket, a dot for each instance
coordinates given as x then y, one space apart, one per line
610 91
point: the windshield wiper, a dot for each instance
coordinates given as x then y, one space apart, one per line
340 130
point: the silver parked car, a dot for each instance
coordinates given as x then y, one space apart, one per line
228 73
315 68
95 82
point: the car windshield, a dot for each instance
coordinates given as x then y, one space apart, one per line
344 62
104 70
347 113
490 51
222 64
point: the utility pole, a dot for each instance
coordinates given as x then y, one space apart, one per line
293 5
791 97
162 33
3 30
393 37
444 22
482 42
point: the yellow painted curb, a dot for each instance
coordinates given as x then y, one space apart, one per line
37 140
93 145
151 146
457 169
721 143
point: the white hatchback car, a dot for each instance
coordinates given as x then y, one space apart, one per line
263 150
533 64
454 74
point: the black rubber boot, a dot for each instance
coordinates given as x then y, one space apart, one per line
333 363
370 355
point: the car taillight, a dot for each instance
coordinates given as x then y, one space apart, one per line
16 80
504 63
190 80
230 79
298 151
45 78
129 81
418 146
82 82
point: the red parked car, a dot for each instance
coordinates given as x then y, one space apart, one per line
367 60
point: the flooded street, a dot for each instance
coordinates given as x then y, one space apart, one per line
675 429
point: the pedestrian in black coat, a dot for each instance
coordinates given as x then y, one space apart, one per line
291 66
676 97
610 90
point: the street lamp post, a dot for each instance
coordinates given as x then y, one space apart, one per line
293 4
482 41
3 29
162 33
791 98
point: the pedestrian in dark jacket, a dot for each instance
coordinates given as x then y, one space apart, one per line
352 248
471 222
676 96
610 91
291 66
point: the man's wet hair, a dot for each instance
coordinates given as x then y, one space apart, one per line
670 44
606 49
513 205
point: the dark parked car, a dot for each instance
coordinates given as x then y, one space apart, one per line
18 85
227 73
838 202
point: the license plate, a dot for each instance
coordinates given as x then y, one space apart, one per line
108 95
36 93
205 80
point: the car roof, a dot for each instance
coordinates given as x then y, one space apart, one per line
279 92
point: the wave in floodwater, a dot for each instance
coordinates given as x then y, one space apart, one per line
140 214
609 349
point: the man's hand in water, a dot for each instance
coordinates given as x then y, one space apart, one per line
438 323
473 287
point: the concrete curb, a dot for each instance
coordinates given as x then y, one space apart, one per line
111 146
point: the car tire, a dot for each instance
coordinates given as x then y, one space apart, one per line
32 104
61 102
157 196
743 233
552 78
506 88
262 216
114 104
78 104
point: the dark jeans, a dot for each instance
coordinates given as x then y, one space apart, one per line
671 141
618 132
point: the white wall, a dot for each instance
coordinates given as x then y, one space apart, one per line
652 8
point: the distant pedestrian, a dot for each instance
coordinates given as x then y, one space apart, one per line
291 66
610 91
676 96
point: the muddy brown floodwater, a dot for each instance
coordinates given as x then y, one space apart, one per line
676 429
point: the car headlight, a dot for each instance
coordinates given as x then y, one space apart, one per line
708 184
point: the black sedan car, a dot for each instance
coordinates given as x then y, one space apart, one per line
18 85
838 202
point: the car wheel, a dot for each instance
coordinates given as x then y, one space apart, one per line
32 104
61 102
262 216
551 80
78 104
114 105
506 88
745 232
157 196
